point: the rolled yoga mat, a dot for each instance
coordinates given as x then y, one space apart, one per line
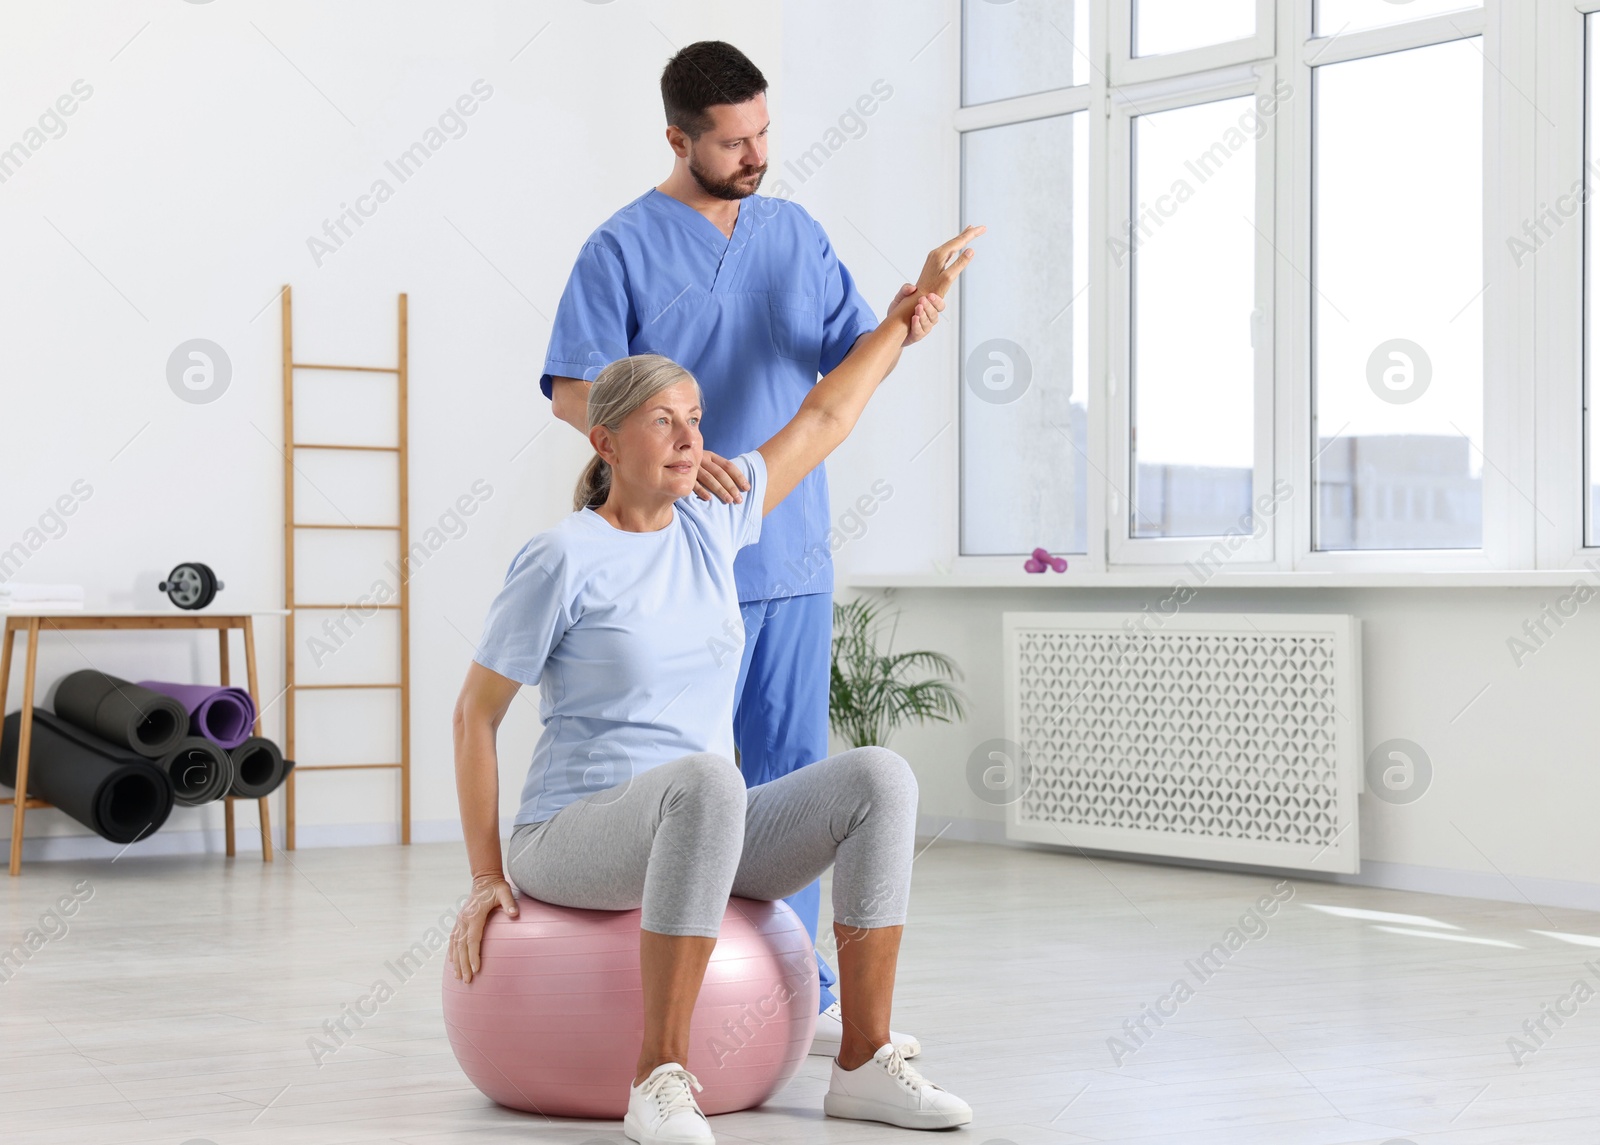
259 768
127 715
201 772
223 715
115 793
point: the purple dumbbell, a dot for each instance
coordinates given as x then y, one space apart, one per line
1042 559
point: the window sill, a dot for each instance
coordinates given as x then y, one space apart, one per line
1166 578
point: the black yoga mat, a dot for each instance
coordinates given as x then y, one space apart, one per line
118 795
259 768
126 714
201 772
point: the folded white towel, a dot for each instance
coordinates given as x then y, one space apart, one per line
41 593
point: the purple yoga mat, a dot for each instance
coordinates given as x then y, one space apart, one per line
225 716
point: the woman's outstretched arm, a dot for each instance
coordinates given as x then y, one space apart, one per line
831 409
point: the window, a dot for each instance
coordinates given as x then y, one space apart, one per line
1335 277
1024 338
1020 47
1162 27
1398 317
1336 17
1156 39
1591 447
1192 245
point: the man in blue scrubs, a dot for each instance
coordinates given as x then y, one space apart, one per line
745 291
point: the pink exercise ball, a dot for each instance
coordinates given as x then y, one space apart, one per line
552 1021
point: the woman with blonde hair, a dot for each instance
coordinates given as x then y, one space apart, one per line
632 799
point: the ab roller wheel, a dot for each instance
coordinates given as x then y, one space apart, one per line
191 585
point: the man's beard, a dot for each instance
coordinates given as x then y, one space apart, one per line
734 188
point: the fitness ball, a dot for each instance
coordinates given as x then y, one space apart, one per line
551 1022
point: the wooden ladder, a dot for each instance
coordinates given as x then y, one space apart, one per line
291 529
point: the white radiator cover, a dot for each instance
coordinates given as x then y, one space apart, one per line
1225 737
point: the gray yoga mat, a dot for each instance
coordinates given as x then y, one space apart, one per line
201 772
115 793
259 768
123 713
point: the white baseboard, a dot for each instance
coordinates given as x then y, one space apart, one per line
1563 893
1388 876
247 839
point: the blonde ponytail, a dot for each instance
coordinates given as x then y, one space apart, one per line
594 485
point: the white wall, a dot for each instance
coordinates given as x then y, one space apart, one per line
1509 813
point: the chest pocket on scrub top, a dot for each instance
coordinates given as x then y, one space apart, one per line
796 322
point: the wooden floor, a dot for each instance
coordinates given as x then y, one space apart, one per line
179 1003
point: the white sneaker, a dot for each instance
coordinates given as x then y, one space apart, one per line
887 1089
662 1110
830 1034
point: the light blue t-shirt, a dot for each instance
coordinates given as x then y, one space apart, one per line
634 640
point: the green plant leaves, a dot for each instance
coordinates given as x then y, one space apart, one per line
872 692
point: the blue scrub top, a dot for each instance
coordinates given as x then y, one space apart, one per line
755 318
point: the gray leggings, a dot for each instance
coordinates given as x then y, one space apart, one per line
678 839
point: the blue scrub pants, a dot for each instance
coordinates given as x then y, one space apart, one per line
780 718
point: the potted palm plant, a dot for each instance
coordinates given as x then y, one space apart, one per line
872 692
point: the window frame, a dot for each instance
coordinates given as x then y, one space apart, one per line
1564 348
1127 68
1504 467
1126 106
1534 316
961 64
1001 113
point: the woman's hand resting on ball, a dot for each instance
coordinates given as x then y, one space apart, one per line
488 892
